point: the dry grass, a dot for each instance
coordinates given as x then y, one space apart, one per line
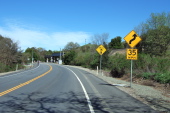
148 83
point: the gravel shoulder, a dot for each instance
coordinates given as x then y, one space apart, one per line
147 94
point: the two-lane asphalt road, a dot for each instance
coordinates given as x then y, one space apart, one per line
51 88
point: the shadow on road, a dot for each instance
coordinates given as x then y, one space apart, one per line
36 103
65 103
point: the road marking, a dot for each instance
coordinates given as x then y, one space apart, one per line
25 83
85 92
96 91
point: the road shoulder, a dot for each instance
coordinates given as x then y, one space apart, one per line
148 95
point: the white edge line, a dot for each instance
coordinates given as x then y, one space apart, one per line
20 72
85 92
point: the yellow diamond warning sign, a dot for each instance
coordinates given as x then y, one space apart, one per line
132 39
101 49
132 54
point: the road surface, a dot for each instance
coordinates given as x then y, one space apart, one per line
51 88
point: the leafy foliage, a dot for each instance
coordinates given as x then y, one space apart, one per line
10 54
118 65
146 67
155 42
147 75
86 56
71 46
38 54
69 57
155 34
157 20
163 78
116 43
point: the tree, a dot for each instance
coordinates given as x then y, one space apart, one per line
69 57
26 58
10 52
99 39
38 53
141 28
155 42
116 43
41 53
155 34
33 51
168 20
71 46
154 22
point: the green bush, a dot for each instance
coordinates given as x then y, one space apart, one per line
142 62
163 65
2 68
163 78
118 65
69 57
152 64
95 61
118 61
87 59
146 75
12 67
79 59
147 67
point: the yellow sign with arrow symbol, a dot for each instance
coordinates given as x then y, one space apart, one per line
132 39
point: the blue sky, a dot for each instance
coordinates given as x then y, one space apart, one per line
51 24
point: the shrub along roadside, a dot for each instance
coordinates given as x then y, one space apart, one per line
118 65
147 67
8 68
87 60
163 78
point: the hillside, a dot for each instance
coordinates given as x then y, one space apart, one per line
119 51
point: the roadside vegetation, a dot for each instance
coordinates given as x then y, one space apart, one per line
12 57
154 52
10 54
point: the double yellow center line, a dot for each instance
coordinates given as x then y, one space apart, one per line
25 83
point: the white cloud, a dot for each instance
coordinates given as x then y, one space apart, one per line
33 38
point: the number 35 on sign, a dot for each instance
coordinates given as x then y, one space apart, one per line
132 54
